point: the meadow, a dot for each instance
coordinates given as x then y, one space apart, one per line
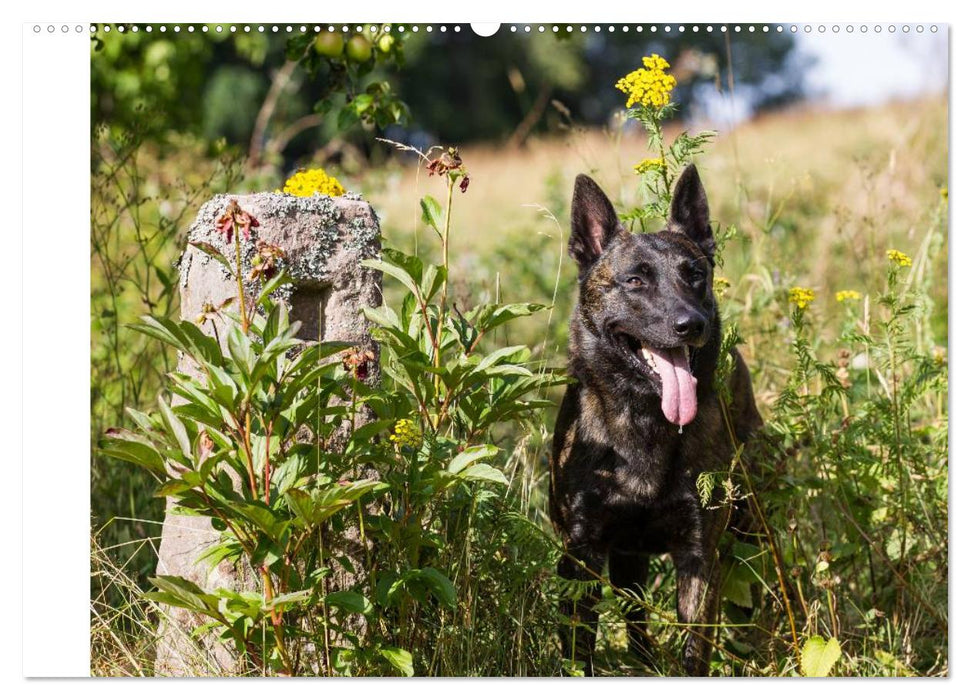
833 283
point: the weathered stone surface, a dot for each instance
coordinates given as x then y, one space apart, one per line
324 240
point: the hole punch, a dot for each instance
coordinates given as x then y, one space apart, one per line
486 29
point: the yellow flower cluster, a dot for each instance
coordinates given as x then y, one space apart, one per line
305 183
901 259
406 434
847 295
649 164
649 86
801 297
721 285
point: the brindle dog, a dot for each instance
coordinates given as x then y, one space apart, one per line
643 418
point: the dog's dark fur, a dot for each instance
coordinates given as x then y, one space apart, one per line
623 482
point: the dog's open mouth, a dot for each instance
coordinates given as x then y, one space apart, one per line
679 388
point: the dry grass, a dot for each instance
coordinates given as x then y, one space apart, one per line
832 173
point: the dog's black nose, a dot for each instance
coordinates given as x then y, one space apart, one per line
689 326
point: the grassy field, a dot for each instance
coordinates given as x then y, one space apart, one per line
855 392
816 197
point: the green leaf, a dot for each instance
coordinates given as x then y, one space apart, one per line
819 656
483 472
736 589
395 271
132 447
175 427
432 214
264 300
286 601
183 593
440 586
240 349
492 315
400 659
349 601
469 456
213 252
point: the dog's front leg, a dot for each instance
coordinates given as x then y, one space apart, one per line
578 632
698 586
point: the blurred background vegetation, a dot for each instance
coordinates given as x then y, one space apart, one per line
814 197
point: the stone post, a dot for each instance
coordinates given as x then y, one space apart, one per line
324 240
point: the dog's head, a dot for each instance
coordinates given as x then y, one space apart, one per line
647 310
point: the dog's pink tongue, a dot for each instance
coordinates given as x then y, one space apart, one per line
679 395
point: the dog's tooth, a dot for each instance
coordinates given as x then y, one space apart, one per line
687 355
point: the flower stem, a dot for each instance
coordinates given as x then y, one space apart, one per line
443 304
239 279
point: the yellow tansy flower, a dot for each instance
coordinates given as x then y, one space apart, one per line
721 285
305 183
801 297
901 259
649 86
847 295
649 164
406 434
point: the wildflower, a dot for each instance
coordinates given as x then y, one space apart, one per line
649 164
801 297
649 86
356 360
235 217
901 259
847 295
406 434
306 183
944 193
721 285
264 263
210 311
447 162
450 164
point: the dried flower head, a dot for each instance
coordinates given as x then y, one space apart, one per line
265 262
842 364
357 360
236 218
449 161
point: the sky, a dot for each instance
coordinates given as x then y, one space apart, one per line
855 69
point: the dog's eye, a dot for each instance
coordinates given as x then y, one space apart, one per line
635 281
697 275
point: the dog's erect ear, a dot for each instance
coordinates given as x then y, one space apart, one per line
594 223
689 211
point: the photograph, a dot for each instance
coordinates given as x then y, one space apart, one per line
519 350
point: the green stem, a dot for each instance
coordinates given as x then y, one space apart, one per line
665 176
443 304
239 278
